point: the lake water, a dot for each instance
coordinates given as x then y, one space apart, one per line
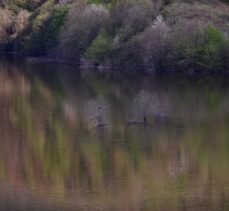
71 142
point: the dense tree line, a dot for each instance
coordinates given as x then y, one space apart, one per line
128 35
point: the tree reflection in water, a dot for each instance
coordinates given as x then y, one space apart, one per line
147 105
96 112
50 161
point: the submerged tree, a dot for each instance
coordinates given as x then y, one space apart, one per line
97 112
147 105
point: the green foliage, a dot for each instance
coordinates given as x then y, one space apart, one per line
30 5
45 32
100 47
54 25
129 34
209 53
95 2
202 52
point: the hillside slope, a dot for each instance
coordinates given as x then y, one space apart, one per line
135 35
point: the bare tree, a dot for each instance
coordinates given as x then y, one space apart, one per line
147 105
96 112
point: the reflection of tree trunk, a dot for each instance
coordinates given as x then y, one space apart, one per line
144 119
97 111
99 120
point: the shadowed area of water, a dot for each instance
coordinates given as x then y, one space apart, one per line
69 142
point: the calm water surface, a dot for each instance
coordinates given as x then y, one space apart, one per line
69 142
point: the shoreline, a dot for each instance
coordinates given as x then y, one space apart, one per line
112 70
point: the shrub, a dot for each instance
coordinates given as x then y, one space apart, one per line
6 23
212 49
126 56
29 5
153 46
53 27
100 47
135 21
144 52
21 22
80 29
225 55
129 18
45 31
198 48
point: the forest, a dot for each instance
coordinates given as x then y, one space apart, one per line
127 36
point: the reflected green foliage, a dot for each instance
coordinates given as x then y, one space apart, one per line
52 153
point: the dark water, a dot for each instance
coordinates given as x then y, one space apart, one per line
91 143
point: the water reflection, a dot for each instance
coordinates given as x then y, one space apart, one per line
147 105
55 156
96 112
